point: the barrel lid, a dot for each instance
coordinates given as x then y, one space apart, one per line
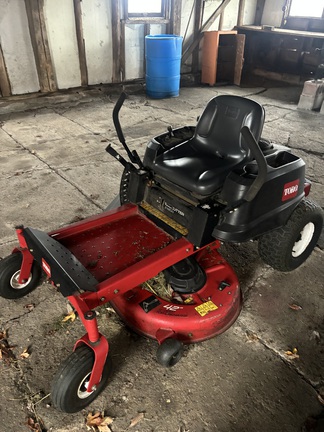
163 36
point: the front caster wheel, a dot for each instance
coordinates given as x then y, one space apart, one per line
287 247
69 387
10 267
169 352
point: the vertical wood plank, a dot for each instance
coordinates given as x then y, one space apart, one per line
116 39
39 40
259 12
221 21
197 25
48 64
174 27
147 31
187 50
5 87
240 15
239 58
122 48
80 41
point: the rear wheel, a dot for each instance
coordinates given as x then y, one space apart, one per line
10 267
69 389
287 247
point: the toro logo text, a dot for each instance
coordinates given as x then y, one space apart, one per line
290 190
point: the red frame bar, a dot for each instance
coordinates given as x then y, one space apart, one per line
93 339
138 273
27 257
93 221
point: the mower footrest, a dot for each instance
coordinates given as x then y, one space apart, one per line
61 266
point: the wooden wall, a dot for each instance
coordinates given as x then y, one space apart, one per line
49 45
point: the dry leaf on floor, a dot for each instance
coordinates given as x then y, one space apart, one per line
3 335
104 426
292 354
6 353
94 419
33 426
29 306
252 337
98 421
136 420
69 317
25 354
295 307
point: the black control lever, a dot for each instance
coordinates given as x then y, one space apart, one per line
170 130
133 156
262 169
261 163
119 157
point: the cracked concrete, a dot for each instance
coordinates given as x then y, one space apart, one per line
54 170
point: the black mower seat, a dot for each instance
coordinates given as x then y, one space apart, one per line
201 164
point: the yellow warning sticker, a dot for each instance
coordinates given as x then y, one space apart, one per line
188 300
205 308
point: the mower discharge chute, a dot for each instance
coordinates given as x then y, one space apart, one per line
197 186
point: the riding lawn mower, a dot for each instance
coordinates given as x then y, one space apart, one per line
196 188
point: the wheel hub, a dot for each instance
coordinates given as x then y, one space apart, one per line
83 392
14 281
303 241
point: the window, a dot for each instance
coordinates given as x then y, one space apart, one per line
145 8
309 8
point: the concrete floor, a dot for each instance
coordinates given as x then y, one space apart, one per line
54 170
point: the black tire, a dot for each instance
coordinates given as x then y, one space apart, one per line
169 352
68 390
287 247
9 273
124 187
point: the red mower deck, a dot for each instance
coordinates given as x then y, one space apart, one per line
202 315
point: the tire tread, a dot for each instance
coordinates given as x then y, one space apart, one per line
273 246
78 363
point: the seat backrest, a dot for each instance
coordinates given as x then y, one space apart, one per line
218 130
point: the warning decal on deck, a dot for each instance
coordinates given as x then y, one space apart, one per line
205 308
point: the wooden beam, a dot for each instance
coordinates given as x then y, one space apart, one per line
175 17
259 12
122 48
81 43
187 51
221 21
116 39
39 40
240 15
5 87
197 25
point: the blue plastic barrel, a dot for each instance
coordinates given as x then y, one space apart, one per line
163 60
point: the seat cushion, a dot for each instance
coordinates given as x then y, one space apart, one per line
201 164
199 172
